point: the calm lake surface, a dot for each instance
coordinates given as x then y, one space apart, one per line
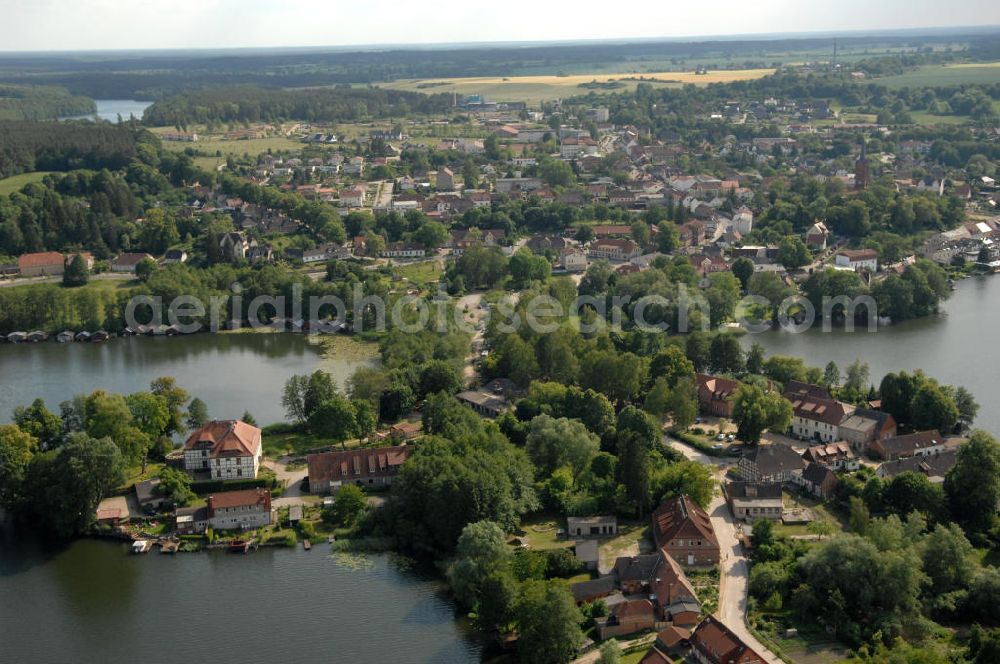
93 603
958 347
110 109
231 373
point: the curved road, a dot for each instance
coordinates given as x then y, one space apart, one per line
734 571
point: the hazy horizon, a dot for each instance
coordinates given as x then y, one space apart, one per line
54 25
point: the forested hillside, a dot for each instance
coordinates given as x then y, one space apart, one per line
37 102
62 146
254 104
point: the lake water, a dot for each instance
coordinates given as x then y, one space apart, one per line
110 109
231 373
93 603
958 347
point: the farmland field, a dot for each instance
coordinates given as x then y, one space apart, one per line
548 87
15 182
945 75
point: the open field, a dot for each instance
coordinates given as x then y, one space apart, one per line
548 87
15 182
213 144
945 75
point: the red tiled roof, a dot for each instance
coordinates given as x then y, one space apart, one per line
247 497
682 517
353 464
42 259
719 645
226 438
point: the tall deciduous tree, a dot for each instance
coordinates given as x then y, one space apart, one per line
972 486
755 411
548 623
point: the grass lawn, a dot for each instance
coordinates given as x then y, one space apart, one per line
925 118
812 645
540 533
16 182
422 273
822 512
629 541
294 443
211 145
548 87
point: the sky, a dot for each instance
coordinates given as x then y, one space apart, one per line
42 25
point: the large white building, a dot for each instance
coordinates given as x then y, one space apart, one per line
228 449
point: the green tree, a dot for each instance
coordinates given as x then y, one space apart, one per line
432 234
149 413
948 559
144 269
831 374
197 414
658 399
39 422
743 268
334 419
249 418
793 253
175 485
439 376
76 273
349 504
63 487
686 478
481 552
16 450
755 411
672 365
972 486
634 469
548 622
175 397
726 354
933 408
553 443
683 403
319 388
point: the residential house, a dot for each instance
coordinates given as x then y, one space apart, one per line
227 449
518 185
922 443
659 578
445 180
240 510
591 526
539 244
715 395
934 466
743 220
775 463
485 402
615 250
234 246
628 617
573 260
714 643
683 530
149 496
354 196
858 259
42 264
817 419
402 250
864 426
754 500
473 237
817 236
175 256
328 471
835 456
819 480
127 263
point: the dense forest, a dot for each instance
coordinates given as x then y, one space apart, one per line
155 75
253 104
62 146
37 102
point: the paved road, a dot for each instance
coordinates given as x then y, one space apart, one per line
104 276
734 570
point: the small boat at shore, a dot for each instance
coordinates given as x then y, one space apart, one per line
307 545
240 546
141 546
